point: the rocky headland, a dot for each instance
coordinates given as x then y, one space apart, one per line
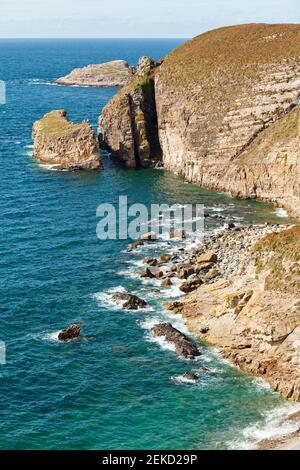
221 108
65 145
109 74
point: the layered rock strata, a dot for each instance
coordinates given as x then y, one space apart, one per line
110 74
64 145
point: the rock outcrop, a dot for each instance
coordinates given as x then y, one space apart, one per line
64 145
71 332
129 301
110 74
225 109
184 346
128 124
252 313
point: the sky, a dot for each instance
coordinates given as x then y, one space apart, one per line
135 18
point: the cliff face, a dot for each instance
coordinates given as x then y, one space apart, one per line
253 316
109 74
217 98
128 124
65 145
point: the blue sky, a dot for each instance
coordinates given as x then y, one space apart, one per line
136 18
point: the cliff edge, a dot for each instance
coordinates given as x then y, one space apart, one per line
65 145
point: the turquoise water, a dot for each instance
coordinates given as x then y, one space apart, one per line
113 389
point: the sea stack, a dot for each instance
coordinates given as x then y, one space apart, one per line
65 145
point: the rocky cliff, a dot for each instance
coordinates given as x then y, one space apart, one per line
128 124
109 74
252 311
225 108
65 145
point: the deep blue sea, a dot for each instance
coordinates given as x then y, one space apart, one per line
116 387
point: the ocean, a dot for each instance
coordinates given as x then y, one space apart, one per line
117 387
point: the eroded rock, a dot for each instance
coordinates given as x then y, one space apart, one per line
71 332
109 74
129 301
64 145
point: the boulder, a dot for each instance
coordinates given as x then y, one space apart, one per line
71 332
158 273
212 274
129 301
109 74
166 282
151 261
203 267
192 283
190 377
135 245
148 236
184 346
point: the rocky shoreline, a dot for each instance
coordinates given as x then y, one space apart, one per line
242 287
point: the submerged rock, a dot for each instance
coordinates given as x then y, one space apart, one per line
184 346
71 332
128 125
130 301
109 74
147 273
65 145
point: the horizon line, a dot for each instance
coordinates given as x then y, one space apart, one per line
92 37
